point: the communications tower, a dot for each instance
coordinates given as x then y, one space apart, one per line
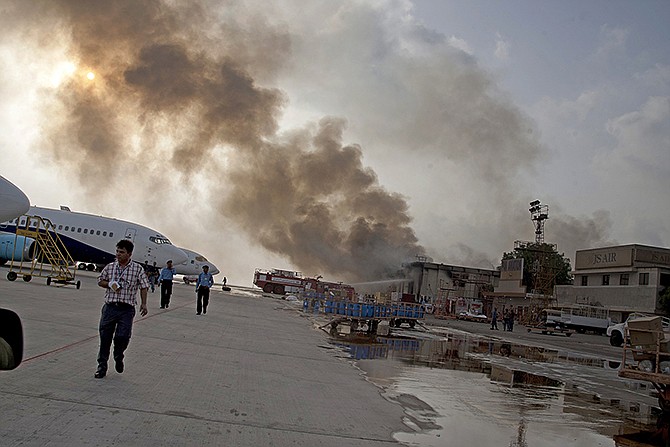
538 214
542 264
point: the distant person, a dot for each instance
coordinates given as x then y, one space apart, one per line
202 286
165 280
507 324
224 281
120 279
510 320
494 319
153 276
148 271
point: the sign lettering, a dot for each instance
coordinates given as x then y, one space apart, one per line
600 258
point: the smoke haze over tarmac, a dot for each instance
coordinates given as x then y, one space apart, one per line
186 108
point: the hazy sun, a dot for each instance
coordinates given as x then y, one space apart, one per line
90 75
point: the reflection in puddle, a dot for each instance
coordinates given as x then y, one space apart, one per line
465 390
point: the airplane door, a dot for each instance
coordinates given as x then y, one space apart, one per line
130 234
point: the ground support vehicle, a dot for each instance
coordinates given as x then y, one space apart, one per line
371 315
647 358
48 257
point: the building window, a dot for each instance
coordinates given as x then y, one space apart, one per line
585 280
644 279
606 280
664 280
623 280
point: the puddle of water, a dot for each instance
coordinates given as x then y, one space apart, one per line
466 390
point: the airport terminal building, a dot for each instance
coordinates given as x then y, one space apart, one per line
624 278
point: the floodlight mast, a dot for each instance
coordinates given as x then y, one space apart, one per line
538 214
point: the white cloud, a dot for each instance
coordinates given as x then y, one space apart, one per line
612 45
460 44
656 77
502 48
644 137
635 174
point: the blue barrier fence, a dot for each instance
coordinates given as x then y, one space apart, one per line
374 310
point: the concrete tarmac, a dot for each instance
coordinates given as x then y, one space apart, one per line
251 372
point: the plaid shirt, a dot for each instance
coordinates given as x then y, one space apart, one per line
131 278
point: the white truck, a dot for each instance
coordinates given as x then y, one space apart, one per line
616 331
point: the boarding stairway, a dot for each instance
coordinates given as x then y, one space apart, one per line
51 258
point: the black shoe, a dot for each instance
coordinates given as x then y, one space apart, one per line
204 311
99 374
167 305
118 366
198 313
162 307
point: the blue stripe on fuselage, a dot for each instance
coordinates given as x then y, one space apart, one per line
79 251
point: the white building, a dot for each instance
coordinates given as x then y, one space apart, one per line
623 278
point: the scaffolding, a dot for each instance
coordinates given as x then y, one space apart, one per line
543 262
49 257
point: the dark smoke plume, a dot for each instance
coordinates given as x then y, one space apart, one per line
306 196
185 100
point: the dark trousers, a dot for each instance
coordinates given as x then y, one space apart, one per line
203 299
166 291
116 323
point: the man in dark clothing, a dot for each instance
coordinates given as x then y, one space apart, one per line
165 280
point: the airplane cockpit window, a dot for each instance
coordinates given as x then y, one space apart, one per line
200 259
159 240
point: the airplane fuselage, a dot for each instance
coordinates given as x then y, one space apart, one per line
92 239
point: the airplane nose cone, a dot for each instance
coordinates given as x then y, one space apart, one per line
213 270
177 255
13 202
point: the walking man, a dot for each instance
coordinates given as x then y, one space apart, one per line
121 279
494 319
165 280
205 281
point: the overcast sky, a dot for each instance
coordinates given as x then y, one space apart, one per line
344 137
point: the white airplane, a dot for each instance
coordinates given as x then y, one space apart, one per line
13 202
91 239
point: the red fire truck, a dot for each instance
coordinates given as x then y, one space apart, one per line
285 281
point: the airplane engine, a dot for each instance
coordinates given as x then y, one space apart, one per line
19 248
